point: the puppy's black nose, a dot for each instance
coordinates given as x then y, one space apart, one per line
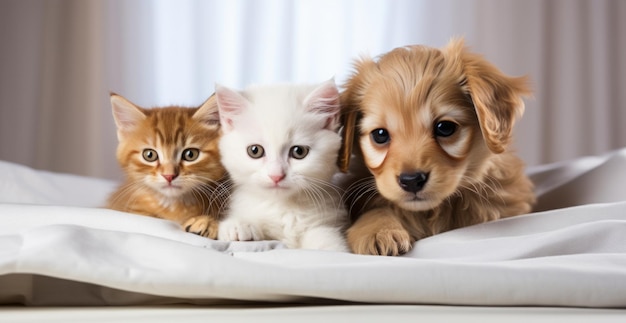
412 182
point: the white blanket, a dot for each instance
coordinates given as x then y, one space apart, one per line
58 248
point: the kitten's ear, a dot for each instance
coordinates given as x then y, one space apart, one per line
230 103
324 101
208 112
127 115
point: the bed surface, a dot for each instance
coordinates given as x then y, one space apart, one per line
59 249
302 314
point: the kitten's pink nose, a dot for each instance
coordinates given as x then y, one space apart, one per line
169 178
277 178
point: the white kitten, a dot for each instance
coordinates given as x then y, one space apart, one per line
280 146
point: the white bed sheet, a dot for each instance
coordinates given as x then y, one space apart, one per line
303 314
58 249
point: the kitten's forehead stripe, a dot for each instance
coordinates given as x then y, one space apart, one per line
180 137
172 128
160 136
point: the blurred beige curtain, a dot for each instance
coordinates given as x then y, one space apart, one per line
60 58
54 85
575 55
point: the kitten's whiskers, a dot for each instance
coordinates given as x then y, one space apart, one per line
364 188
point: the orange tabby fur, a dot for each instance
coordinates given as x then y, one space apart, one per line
193 194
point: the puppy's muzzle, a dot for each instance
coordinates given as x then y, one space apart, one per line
413 182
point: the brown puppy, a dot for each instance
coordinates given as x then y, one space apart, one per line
431 129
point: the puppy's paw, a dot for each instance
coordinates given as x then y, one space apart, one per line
235 230
379 232
392 242
202 225
384 243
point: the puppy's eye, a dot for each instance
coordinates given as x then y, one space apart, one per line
445 128
256 151
380 136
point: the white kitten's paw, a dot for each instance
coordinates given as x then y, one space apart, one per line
324 238
235 230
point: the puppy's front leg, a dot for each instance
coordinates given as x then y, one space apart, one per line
379 232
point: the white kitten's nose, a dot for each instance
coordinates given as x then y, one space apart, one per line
277 178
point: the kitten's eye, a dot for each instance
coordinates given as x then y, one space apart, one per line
191 154
380 136
445 128
299 152
256 151
150 155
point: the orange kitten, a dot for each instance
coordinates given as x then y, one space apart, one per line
172 165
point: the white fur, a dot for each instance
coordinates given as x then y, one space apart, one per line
302 210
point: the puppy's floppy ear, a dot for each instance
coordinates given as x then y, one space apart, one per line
497 98
350 100
348 120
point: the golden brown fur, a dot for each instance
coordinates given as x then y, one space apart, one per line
192 195
422 181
